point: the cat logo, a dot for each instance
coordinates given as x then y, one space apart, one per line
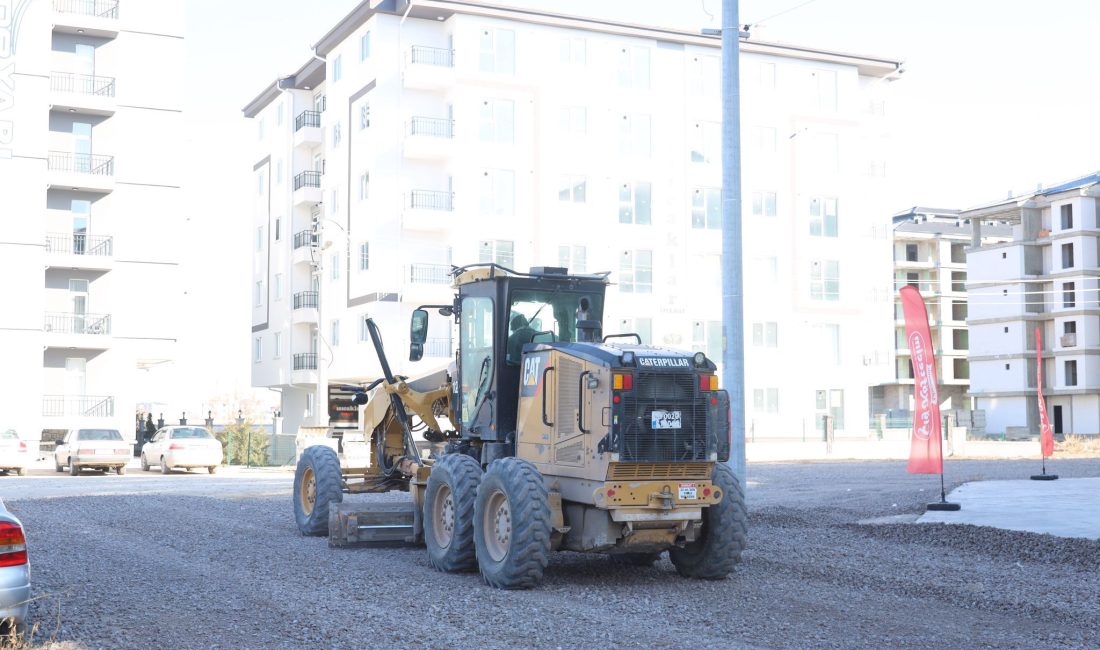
532 367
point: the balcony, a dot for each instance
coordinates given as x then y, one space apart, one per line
71 330
88 17
81 171
429 210
305 361
305 307
82 93
83 406
307 188
303 243
429 68
438 348
427 283
429 138
1069 340
79 251
304 368
307 129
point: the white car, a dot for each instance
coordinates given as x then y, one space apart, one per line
14 453
92 449
15 571
182 447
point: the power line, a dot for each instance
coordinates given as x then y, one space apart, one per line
785 11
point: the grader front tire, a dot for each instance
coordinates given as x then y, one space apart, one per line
317 483
449 513
724 535
512 525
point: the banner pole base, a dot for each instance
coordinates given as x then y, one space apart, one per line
943 505
1044 477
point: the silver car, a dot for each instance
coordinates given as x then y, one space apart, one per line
15 455
182 447
15 571
92 448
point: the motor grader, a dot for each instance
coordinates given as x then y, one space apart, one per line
560 438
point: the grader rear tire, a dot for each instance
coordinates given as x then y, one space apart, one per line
724 535
512 525
449 513
317 483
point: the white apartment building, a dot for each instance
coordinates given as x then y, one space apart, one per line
929 249
437 133
90 135
1046 277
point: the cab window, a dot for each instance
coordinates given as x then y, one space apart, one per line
476 334
532 312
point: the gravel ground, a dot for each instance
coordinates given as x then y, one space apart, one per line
185 571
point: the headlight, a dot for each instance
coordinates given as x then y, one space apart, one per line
628 358
700 359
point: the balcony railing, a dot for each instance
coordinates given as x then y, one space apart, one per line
432 56
305 300
432 126
437 347
93 406
79 244
98 8
81 163
431 200
307 179
82 84
305 361
430 273
307 118
303 239
68 323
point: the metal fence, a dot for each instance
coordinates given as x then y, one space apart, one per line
432 56
431 200
95 406
305 361
81 163
67 323
307 179
430 273
307 118
303 238
437 347
82 84
98 8
78 244
305 300
432 126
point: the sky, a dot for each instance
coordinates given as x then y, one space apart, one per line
997 96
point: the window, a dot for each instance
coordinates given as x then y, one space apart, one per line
498 192
337 68
1069 327
634 136
498 51
1071 373
635 202
279 172
334 333
766 271
334 266
1067 216
763 139
364 256
636 272
961 368
643 327
572 258
279 114
276 342
278 228
823 217
826 90
573 120
634 67
911 252
827 341
825 280
259 129
364 186
706 336
257 349
831 403
1069 295
958 281
958 253
704 76
573 50
334 200
958 310
364 115
260 238
258 294
706 142
960 340
477 344
572 189
1067 256
765 400
706 208
913 279
364 331
497 121
277 286
498 252
260 183
765 335
336 135
764 204
364 46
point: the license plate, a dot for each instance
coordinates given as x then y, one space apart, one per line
689 491
664 420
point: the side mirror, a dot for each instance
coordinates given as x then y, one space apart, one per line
418 334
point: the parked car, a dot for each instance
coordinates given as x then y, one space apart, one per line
92 448
14 453
15 571
182 447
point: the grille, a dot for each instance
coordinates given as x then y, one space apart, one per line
656 471
669 392
569 373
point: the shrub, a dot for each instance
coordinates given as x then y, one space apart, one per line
235 440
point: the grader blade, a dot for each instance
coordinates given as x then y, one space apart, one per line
359 523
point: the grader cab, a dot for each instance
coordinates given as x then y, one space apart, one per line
560 438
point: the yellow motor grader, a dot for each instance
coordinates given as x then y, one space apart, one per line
562 439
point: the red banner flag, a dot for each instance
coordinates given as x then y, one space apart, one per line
926 452
1046 434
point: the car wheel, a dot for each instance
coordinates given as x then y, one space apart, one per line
213 469
22 471
164 469
74 470
57 465
144 463
120 470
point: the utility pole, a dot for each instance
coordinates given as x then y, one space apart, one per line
733 310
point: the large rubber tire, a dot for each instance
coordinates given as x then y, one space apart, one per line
449 513
512 525
317 483
723 537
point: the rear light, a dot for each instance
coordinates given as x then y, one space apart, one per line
22 446
13 546
122 452
85 452
176 447
708 382
622 381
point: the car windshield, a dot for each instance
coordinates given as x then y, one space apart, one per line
9 435
98 434
190 432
